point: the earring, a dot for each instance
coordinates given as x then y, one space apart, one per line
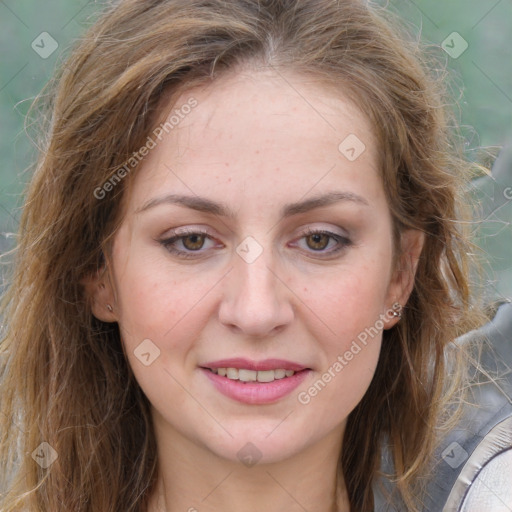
109 307
397 310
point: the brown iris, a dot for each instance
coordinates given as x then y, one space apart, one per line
319 241
193 242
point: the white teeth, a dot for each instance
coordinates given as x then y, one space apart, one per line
244 375
232 373
266 376
247 375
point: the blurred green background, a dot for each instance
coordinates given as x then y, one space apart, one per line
35 37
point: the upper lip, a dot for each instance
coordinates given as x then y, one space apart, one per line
266 364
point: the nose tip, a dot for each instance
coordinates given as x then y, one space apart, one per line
255 302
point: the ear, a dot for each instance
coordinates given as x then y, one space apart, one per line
402 280
99 293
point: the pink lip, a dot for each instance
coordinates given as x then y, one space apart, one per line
267 364
255 393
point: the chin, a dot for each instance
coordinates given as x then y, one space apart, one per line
254 445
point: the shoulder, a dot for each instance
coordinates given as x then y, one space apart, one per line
473 463
484 481
492 487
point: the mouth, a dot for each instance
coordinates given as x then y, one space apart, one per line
246 375
255 383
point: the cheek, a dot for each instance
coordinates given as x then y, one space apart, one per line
350 350
348 301
158 304
349 306
160 318
342 384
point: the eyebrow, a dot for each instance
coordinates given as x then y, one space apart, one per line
205 205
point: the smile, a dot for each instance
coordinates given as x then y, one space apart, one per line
244 375
255 383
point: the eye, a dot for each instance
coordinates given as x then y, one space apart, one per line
318 241
191 241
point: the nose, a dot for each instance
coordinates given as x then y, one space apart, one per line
256 301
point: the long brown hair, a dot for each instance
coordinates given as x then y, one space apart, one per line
65 380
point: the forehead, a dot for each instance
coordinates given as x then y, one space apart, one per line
273 135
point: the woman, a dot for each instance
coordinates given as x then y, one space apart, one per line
239 278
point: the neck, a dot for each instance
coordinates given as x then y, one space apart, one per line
194 479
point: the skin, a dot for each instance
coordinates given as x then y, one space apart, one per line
254 143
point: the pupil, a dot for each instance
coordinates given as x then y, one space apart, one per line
195 241
317 241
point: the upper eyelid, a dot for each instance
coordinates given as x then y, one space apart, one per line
311 230
187 230
341 239
183 232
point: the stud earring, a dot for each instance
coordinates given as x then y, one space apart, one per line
397 310
109 307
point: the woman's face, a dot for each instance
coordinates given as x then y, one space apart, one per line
256 237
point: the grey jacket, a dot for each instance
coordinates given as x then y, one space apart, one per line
473 464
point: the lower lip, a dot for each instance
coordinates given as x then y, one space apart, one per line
256 393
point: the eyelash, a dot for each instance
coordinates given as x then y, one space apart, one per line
343 242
